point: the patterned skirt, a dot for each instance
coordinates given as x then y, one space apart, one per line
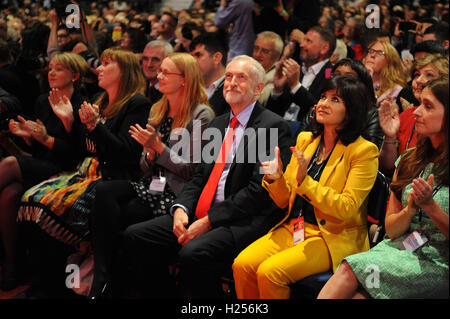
61 205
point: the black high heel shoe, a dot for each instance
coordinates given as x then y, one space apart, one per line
102 293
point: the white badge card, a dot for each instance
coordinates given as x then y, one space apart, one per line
298 230
157 185
413 241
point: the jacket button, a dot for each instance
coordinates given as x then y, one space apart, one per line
322 222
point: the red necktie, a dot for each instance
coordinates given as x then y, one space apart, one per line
207 195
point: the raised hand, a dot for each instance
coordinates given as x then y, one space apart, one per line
62 107
149 138
292 71
279 78
389 118
273 169
423 191
19 128
89 115
303 163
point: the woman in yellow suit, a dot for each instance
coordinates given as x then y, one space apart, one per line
325 186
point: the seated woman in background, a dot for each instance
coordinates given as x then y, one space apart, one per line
372 130
50 150
325 187
385 66
61 206
182 109
413 261
400 132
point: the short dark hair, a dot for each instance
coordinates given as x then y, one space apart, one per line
356 99
327 36
440 30
173 17
363 75
213 42
429 46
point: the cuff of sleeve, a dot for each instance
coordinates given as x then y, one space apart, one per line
296 88
174 207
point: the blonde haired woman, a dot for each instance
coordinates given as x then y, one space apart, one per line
48 135
386 68
182 112
61 206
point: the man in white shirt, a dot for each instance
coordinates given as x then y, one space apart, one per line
300 87
267 51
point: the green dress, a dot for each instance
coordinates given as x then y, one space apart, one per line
385 271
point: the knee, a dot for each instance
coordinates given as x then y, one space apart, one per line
12 192
244 263
191 254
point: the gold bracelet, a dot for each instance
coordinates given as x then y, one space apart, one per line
390 141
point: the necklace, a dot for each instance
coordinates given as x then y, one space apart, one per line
323 155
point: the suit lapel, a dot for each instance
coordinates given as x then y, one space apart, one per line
334 159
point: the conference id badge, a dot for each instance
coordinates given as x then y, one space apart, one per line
157 185
298 230
413 241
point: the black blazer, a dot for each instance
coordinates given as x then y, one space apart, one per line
247 209
217 101
118 153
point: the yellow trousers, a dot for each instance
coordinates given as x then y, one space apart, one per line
267 266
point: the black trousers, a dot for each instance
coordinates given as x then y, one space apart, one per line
153 245
116 206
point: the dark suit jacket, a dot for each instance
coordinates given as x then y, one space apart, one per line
303 97
152 94
247 209
217 101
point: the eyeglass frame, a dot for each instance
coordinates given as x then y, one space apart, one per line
377 52
165 74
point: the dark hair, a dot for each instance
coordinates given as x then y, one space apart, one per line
416 159
213 42
429 46
5 52
440 30
138 39
173 17
35 39
356 99
363 75
327 36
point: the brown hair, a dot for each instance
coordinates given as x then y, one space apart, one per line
415 160
131 81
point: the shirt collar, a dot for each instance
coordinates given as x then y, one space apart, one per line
244 116
315 69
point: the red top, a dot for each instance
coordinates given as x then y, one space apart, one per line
407 130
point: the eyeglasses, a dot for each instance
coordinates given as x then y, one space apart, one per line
165 22
165 73
377 52
62 35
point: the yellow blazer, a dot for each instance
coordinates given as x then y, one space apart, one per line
339 197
